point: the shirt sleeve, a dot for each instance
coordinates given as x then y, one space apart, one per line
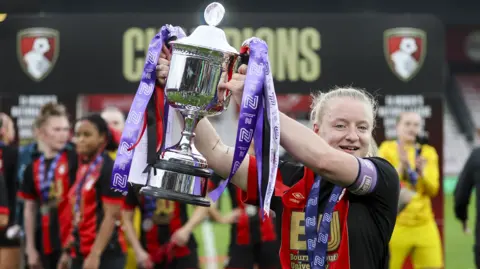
131 200
465 185
109 196
287 175
27 190
431 171
8 183
4 207
384 190
214 182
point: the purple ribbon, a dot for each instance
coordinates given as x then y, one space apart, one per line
251 113
317 242
258 147
133 125
90 170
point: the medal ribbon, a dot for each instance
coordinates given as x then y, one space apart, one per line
46 183
411 173
258 93
317 242
136 121
83 178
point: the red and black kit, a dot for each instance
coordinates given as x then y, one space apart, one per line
253 240
355 241
52 231
160 219
92 189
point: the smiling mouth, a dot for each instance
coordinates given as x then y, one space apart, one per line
349 148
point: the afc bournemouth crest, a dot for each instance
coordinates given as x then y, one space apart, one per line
405 50
37 51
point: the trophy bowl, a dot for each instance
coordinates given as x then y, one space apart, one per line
199 63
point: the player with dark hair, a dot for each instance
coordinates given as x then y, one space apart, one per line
97 241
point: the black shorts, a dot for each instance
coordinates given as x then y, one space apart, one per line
187 262
8 243
263 254
106 262
50 261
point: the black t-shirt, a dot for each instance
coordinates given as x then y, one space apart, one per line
167 217
250 231
8 181
370 220
468 180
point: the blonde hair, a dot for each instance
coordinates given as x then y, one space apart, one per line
372 149
50 110
320 101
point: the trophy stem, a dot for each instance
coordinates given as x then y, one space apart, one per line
190 122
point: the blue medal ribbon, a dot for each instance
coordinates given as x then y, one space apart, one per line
150 205
317 241
46 182
80 185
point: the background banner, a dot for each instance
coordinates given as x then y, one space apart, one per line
24 109
105 53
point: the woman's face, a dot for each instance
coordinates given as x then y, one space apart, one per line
347 125
7 132
55 132
115 119
87 138
408 127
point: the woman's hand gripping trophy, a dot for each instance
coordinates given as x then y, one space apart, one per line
235 84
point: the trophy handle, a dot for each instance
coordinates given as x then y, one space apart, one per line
243 58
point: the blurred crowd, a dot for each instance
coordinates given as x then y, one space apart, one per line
57 209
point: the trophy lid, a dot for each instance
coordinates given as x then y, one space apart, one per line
209 36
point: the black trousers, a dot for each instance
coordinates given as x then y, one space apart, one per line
106 262
50 261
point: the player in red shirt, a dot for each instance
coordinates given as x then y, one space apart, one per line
338 207
97 241
253 240
45 186
165 238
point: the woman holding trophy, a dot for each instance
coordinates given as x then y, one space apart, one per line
350 197
359 194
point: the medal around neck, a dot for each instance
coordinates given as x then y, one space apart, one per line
199 63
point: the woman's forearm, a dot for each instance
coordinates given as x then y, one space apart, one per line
310 149
104 234
29 217
130 230
218 155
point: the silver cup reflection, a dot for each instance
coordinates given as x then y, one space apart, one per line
198 64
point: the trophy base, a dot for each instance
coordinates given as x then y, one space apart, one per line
175 196
179 176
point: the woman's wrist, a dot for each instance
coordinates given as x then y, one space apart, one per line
206 137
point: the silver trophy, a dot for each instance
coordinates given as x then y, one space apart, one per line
199 62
